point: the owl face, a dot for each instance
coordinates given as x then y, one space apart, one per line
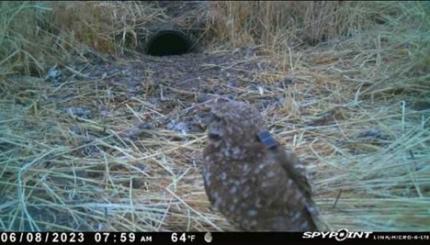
234 129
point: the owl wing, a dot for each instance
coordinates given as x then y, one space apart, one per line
289 204
288 160
205 171
295 170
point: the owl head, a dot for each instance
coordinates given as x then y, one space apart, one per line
236 130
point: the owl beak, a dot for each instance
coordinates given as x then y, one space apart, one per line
214 134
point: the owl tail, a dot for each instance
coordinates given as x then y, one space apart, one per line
314 218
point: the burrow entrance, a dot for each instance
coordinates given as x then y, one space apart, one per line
169 42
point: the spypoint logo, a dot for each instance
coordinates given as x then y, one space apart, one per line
340 235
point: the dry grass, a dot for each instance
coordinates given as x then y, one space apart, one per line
358 113
35 36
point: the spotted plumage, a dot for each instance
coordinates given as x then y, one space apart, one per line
251 179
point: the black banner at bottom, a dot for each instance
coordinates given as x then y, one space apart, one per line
341 236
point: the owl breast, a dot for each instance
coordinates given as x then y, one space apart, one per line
253 196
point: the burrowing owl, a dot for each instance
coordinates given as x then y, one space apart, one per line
252 180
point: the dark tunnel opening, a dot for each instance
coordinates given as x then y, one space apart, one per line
168 42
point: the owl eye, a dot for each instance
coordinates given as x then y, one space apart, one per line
266 138
214 136
215 118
